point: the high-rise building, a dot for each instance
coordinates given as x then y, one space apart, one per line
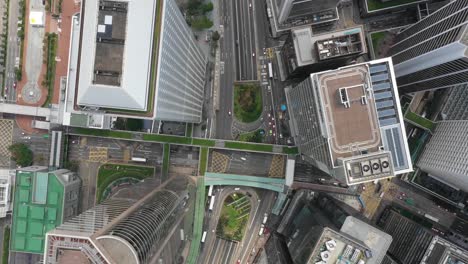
286 14
144 223
312 235
136 59
413 243
42 200
456 106
348 122
445 155
305 52
6 177
433 53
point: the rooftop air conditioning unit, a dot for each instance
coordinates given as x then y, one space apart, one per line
366 168
375 166
331 245
385 164
325 255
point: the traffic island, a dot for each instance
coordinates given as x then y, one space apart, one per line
247 102
234 216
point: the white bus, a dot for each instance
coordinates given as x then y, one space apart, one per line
270 70
212 202
210 191
203 237
138 159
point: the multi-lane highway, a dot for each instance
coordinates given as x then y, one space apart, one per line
12 51
244 37
217 250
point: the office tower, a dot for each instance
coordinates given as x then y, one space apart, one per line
143 223
6 177
445 155
413 243
432 53
42 200
294 9
305 52
348 122
456 106
287 14
134 59
312 235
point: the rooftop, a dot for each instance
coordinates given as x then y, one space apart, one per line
440 251
336 247
116 50
38 209
311 48
361 118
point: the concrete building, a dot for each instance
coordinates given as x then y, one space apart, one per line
316 229
348 122
432 53
145 223
132 59
42 200
6 177
445 156
286 14
305 52
456 106
414 243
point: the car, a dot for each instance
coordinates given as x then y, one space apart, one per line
253 54
269 114
229 113
242 158
14 85
250 5
238 261
6 89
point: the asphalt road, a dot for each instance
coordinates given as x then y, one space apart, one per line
216 250
244 37
227 72
12 50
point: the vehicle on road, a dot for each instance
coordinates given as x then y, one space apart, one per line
253 54
270 69
138 159
250 5
210 191
14 85
203 237
212 203
261 230
243 158
265 218
229 113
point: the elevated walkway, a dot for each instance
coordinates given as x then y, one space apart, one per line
25 110
273 184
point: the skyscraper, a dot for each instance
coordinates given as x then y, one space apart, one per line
291 9
136 59
141 224
348 122
445 155
433 53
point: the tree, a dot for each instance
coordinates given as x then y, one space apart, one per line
202 23
21 154
215 36
205 8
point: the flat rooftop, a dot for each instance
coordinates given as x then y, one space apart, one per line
351 125
38 204
115 54
333 247
110 43
308 45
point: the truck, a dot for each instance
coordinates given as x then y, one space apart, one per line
210 191
270 70
138 159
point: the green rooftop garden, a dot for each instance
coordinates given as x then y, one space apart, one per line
247 102
374 5
38 203
420 121
109 173
248 146
234 217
